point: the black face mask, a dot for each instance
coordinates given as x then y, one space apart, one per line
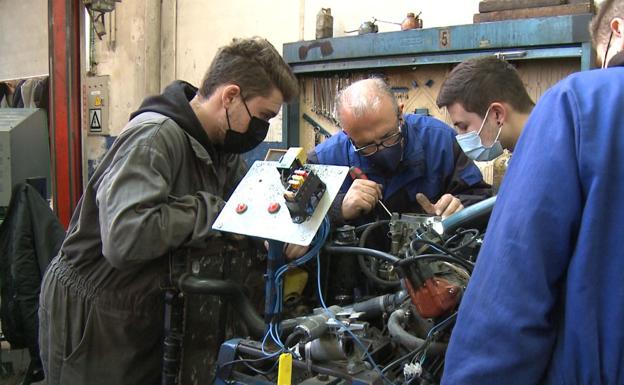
387 160
237 142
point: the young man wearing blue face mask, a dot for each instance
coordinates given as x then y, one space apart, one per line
488 105
410 160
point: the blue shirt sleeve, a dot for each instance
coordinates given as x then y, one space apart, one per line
506 325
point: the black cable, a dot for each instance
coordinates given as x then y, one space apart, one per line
402 358
462 232
264 373
433 245
238 361
362 250
291 338
363 227
475 235
441 257
369 227
369 273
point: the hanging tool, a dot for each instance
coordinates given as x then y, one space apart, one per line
318 129
356 173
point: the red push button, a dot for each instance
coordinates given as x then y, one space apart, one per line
274 207
241 208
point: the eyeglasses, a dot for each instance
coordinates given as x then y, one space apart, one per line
386 142
604 59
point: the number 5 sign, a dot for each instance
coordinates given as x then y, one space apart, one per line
444 38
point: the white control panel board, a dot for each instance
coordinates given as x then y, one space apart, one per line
260 190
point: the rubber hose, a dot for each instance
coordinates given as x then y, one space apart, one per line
362 250
375 306
194 285
362 262
477 214
407 340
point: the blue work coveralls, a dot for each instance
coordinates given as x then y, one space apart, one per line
545 304
433 164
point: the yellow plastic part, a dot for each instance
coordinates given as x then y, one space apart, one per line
301 154
295 281
294 183
284 370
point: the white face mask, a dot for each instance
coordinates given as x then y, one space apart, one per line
472 145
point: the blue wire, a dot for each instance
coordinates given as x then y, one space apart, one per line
317 243
264 342
430 335
436 327
357 340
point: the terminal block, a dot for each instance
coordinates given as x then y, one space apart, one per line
303 193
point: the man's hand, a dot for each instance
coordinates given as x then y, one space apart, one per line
361 198
445 206
291 251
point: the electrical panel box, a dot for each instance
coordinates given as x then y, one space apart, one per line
258 207
98 105
24 149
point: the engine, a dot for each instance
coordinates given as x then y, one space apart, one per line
373 304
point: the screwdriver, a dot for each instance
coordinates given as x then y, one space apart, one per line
356 173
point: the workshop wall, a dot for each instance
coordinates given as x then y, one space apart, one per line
129 54
23 39
348 15
416 88
150 45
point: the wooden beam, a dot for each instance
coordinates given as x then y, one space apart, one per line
505 5
558 10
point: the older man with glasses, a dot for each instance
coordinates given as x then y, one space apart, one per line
410 160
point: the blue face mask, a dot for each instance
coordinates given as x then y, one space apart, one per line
472 145
387 160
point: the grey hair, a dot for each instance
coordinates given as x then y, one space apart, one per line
363 96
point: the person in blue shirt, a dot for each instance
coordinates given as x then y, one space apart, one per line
545 304
413 162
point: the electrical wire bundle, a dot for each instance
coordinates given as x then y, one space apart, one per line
445 251
273 331
318 242
412 255
414 360
346 327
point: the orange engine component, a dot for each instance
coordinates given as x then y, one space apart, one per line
436 297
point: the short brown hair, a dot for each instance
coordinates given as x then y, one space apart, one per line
599 28
476 83
254 65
